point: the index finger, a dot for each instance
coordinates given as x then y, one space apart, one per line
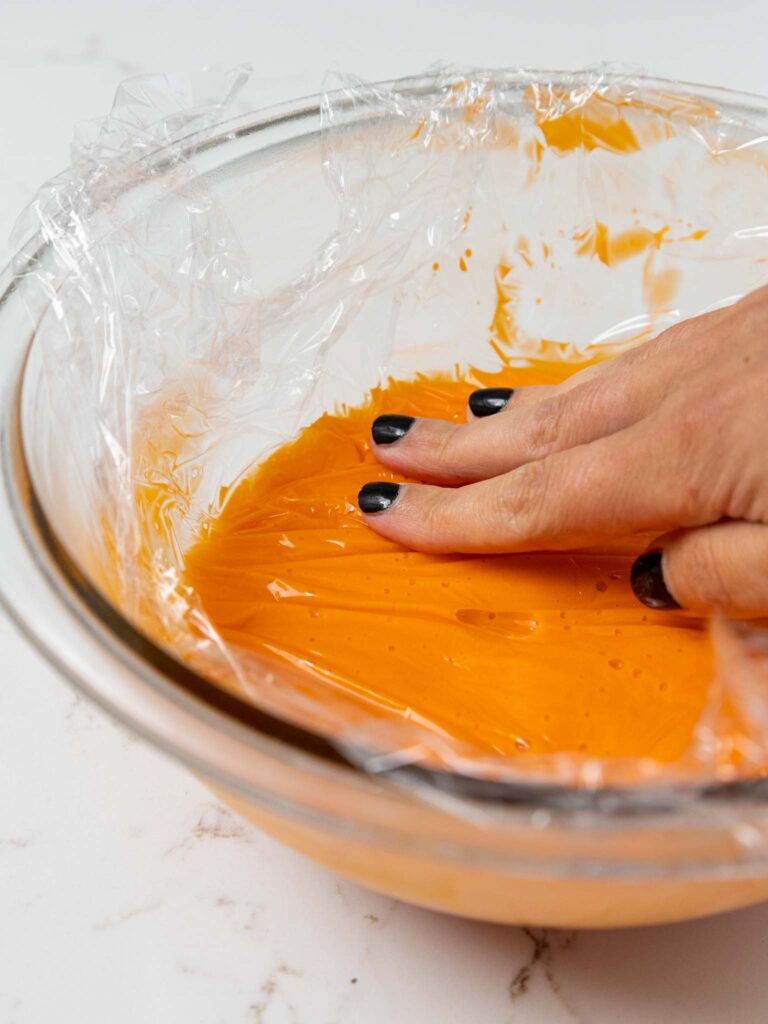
621 484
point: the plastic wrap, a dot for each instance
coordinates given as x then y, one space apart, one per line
197 319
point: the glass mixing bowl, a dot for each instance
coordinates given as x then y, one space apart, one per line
519 851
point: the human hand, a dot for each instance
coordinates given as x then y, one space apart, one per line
670 437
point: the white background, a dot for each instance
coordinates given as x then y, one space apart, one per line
126 894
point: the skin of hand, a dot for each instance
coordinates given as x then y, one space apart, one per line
670 437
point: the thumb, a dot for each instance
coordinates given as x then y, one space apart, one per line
723 567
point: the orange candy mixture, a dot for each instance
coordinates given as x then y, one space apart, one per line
544 652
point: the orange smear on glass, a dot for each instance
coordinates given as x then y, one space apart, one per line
596 126
617 123
612 249
543 653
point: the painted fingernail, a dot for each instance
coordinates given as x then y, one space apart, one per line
388 429
487 401
377 497
647 579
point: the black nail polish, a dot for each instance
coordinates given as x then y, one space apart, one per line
647 579
487 401
377 497
388 429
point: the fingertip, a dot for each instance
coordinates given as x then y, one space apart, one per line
488 401
390 428
720 567
403 513
377 496
648 583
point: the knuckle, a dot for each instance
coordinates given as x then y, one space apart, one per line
675 335
689 478
544 427
446 447
690 426
701 456
523 497
751 320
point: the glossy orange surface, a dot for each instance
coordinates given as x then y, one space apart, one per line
538 652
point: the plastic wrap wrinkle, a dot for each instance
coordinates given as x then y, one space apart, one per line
485 222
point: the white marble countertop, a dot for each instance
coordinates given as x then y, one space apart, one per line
126 893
